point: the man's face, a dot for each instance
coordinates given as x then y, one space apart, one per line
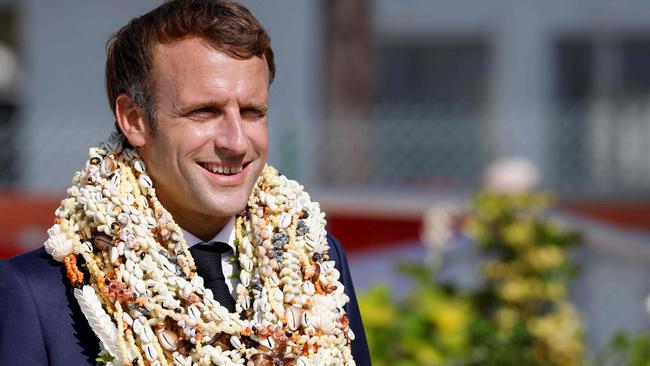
211 141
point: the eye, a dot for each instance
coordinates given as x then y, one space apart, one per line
203 113
204 110
252 113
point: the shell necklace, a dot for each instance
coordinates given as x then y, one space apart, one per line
140 292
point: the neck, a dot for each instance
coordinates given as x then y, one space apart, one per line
203 232
204 227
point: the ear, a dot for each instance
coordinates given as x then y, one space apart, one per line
131 119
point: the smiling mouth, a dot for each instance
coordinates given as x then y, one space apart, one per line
223 170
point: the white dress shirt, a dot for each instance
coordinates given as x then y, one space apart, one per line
226 235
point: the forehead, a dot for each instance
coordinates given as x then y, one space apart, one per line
193 63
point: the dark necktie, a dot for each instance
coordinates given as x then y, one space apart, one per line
207 258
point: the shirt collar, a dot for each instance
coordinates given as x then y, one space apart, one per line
226 235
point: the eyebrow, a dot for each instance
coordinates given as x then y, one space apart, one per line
264 107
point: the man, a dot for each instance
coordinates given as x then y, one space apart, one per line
188 84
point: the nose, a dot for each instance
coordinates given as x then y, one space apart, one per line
230 135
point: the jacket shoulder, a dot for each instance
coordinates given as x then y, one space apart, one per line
36 268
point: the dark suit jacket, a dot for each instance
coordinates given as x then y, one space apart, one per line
41 323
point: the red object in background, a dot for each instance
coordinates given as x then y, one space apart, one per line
357 228
629 215
357 232
21 215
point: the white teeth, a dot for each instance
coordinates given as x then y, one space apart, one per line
222 170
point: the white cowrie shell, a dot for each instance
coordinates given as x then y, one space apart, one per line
247 302
138 231
328 265
114 184
194 312
138 272
245 278
268 342
265 307
145 182
309 319
258 317
130 199
128 187
168 340
123 218
147 334
127 319
169 267
246 263
270 201
150 352
186 292
293 317
274 280
285 221
151 222
179 360
197 281
100 218
235 342
289 297
277 295
351 335
137 328
303 361
142 201
139 166
86 247
120 248
308 288
140 286
115 253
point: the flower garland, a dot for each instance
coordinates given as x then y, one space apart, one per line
147 305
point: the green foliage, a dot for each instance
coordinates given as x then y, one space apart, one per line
626 350
519 317
104 358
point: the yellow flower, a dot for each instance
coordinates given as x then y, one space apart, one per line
450 319
426 355
376 308
520 234
546 257
506 317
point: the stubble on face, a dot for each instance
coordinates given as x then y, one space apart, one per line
211 138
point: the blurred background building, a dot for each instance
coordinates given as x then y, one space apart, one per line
382 108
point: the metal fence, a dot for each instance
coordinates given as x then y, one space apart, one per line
600 151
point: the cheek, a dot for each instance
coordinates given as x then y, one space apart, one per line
259 137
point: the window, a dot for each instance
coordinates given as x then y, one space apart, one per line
8 107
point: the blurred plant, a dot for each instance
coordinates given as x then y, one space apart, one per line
523 304
520 316
427 327
626 349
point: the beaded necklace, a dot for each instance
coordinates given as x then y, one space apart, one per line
140 292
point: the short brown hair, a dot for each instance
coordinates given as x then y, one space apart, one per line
227 26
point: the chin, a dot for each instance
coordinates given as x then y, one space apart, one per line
226 206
